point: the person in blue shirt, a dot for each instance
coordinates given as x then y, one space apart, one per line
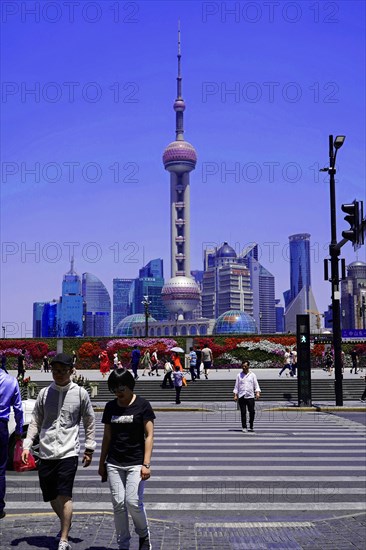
9 397
3 362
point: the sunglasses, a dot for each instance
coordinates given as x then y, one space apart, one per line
61 371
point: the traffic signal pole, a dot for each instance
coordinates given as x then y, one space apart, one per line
334 252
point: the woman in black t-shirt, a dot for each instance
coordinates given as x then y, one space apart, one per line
125 457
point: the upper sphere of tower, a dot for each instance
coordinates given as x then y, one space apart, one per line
179 105
180 156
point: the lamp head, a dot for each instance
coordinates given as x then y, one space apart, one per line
338 142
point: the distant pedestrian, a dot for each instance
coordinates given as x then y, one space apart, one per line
355 360
74 359
10 398
287 362
168 369
56 418
246 390
294 361
328 359
155 362
178 383
198 361
104 363
46 364
21 364
363 396
146 362
135 360
126 455
115 360
176 361
192 363
207 359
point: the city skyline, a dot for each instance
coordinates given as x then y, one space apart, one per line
274 142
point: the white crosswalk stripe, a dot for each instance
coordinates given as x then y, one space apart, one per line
206 463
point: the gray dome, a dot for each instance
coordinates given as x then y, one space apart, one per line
124 327
226 251
357 264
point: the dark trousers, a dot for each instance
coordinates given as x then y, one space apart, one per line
177 394
198 375
167 378
363 396
243 404
134 367
4 440
192 370
287 366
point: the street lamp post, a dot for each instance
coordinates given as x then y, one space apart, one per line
145 302
334 252
3 331
260 322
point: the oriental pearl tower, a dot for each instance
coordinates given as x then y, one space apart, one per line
181 293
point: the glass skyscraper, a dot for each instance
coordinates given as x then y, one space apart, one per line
50 320
299 266
37 318
299 299
149 283
97 309
121 301
71 306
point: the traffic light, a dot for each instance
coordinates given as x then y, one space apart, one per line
354 216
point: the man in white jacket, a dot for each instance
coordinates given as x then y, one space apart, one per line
56 417
246 390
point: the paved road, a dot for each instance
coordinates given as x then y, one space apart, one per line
299 482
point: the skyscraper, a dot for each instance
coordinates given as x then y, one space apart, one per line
226 283
50 319
149 283
262 283
299 265
181 293
121 302
37 318
71 305
97 309
353 297
299 299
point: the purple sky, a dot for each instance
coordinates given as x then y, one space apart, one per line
264 87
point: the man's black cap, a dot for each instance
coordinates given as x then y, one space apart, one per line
63 359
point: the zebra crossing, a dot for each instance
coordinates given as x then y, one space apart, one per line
203 463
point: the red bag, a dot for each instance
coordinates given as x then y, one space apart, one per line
19 466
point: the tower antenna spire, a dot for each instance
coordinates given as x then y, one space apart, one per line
179 104
179 77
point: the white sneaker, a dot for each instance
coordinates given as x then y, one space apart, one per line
64 545
244 430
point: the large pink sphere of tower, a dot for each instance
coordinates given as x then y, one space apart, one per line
180 295
180 156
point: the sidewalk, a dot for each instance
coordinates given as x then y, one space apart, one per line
221 374
95 531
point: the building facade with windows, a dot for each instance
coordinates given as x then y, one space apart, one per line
71 307
353 297
121 300
299 298
97 309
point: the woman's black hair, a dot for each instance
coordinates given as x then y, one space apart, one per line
120 377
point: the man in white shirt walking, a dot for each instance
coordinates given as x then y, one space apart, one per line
246 390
